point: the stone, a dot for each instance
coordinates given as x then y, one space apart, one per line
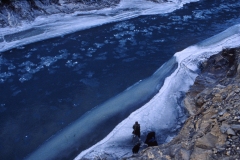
214 116
227 109
183 154
200 101
230 132
222 119
228 153
217 98
237 90
215 150
234 137
221 149
228 143
224 127
206 142
221 113
224 95
201 154
235 127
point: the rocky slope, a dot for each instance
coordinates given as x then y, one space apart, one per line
13 12
213 129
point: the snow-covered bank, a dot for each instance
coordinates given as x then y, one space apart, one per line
213 103
46 27
162 111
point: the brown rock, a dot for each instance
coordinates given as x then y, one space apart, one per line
183 154
207 142
217 98
200 101
202 154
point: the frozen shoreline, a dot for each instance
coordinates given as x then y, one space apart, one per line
213 108
46 27
118 143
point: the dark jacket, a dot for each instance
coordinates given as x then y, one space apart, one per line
136 129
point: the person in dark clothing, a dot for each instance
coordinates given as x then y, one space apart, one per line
136 129
151 139
136 148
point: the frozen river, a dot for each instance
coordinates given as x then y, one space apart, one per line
65 94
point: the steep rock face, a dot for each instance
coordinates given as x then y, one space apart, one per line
212 131
13 12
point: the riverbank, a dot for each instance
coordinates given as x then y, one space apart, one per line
212 131
13 13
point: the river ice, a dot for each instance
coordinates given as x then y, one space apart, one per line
60 24
40 62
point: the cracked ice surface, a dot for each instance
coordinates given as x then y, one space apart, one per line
163 112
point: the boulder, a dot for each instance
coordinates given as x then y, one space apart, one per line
235 127
224 127
230 132
206 142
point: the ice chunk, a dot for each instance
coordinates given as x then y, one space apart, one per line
5 75
25 77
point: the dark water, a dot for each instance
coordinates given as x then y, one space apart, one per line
47 85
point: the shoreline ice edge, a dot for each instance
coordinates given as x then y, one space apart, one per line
230 38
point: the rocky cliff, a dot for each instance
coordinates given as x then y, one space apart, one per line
14 12
213 129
